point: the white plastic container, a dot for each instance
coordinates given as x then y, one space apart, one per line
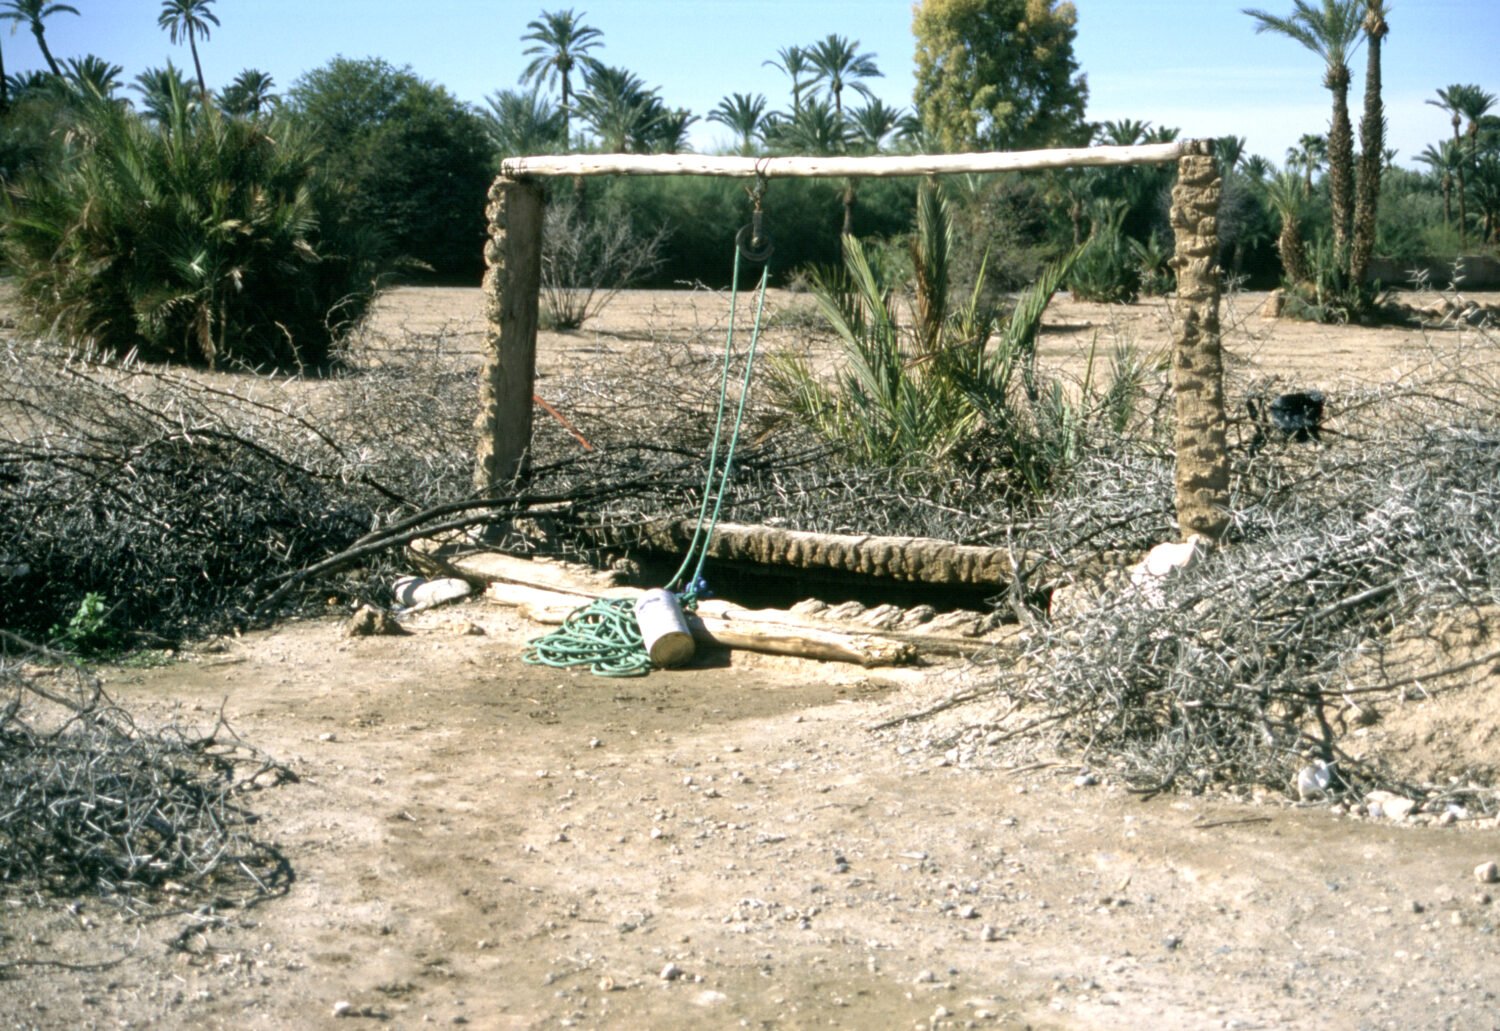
414 593
664 628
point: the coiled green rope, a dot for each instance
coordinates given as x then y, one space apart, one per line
603 635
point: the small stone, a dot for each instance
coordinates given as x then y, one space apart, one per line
343 1008
595 742
368 621
925 977
1487 873
988 933
1172 942
1085 780
708 998
329 736
671 972
967 912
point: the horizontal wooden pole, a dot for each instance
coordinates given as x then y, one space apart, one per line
883 166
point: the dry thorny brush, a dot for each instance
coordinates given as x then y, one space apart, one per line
1259 659
196 502
92 803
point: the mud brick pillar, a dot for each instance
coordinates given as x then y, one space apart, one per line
512 280
1198 359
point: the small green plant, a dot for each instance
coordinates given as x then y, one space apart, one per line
1152 269
90 631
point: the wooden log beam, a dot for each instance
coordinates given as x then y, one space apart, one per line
923 560
551 608
883 166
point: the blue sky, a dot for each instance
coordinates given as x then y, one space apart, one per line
1194 64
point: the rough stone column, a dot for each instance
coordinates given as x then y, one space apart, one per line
1198 362
512 279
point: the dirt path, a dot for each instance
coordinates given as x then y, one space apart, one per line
479 841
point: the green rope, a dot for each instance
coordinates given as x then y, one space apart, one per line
604 635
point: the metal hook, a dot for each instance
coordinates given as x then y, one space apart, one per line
751 241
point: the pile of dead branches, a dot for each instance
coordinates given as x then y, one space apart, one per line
93 803
1244 667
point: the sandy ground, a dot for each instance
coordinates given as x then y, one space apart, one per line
477 841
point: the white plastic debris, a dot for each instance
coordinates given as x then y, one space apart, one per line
413 593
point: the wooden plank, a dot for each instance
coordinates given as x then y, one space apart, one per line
553 607
838 166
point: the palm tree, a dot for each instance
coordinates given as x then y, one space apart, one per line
1444 159
188 19
668 133
839 63
1309 154
795 63
814 130
742 114
248 94
1126 132
1230 150
1285 195
1451 100
523 123
1371 149
1255 166
562 42
34 13
618 108
870 124
94 75
157 87
1330 32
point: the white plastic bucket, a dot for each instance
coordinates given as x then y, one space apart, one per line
664 629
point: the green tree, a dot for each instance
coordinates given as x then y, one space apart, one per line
1330 31
188 19
1371 149
839 65
1288 199
562 42
417 162
1310 154
618 108
34 13
1445 160
999 74
94 75
523 123
157 87
795 63
744 115
872 123
249 94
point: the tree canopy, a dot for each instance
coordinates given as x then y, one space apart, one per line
999 74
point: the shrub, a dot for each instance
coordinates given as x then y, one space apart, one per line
202 239
1107 270
586 261
957 388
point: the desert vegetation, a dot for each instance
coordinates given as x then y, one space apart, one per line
203 431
